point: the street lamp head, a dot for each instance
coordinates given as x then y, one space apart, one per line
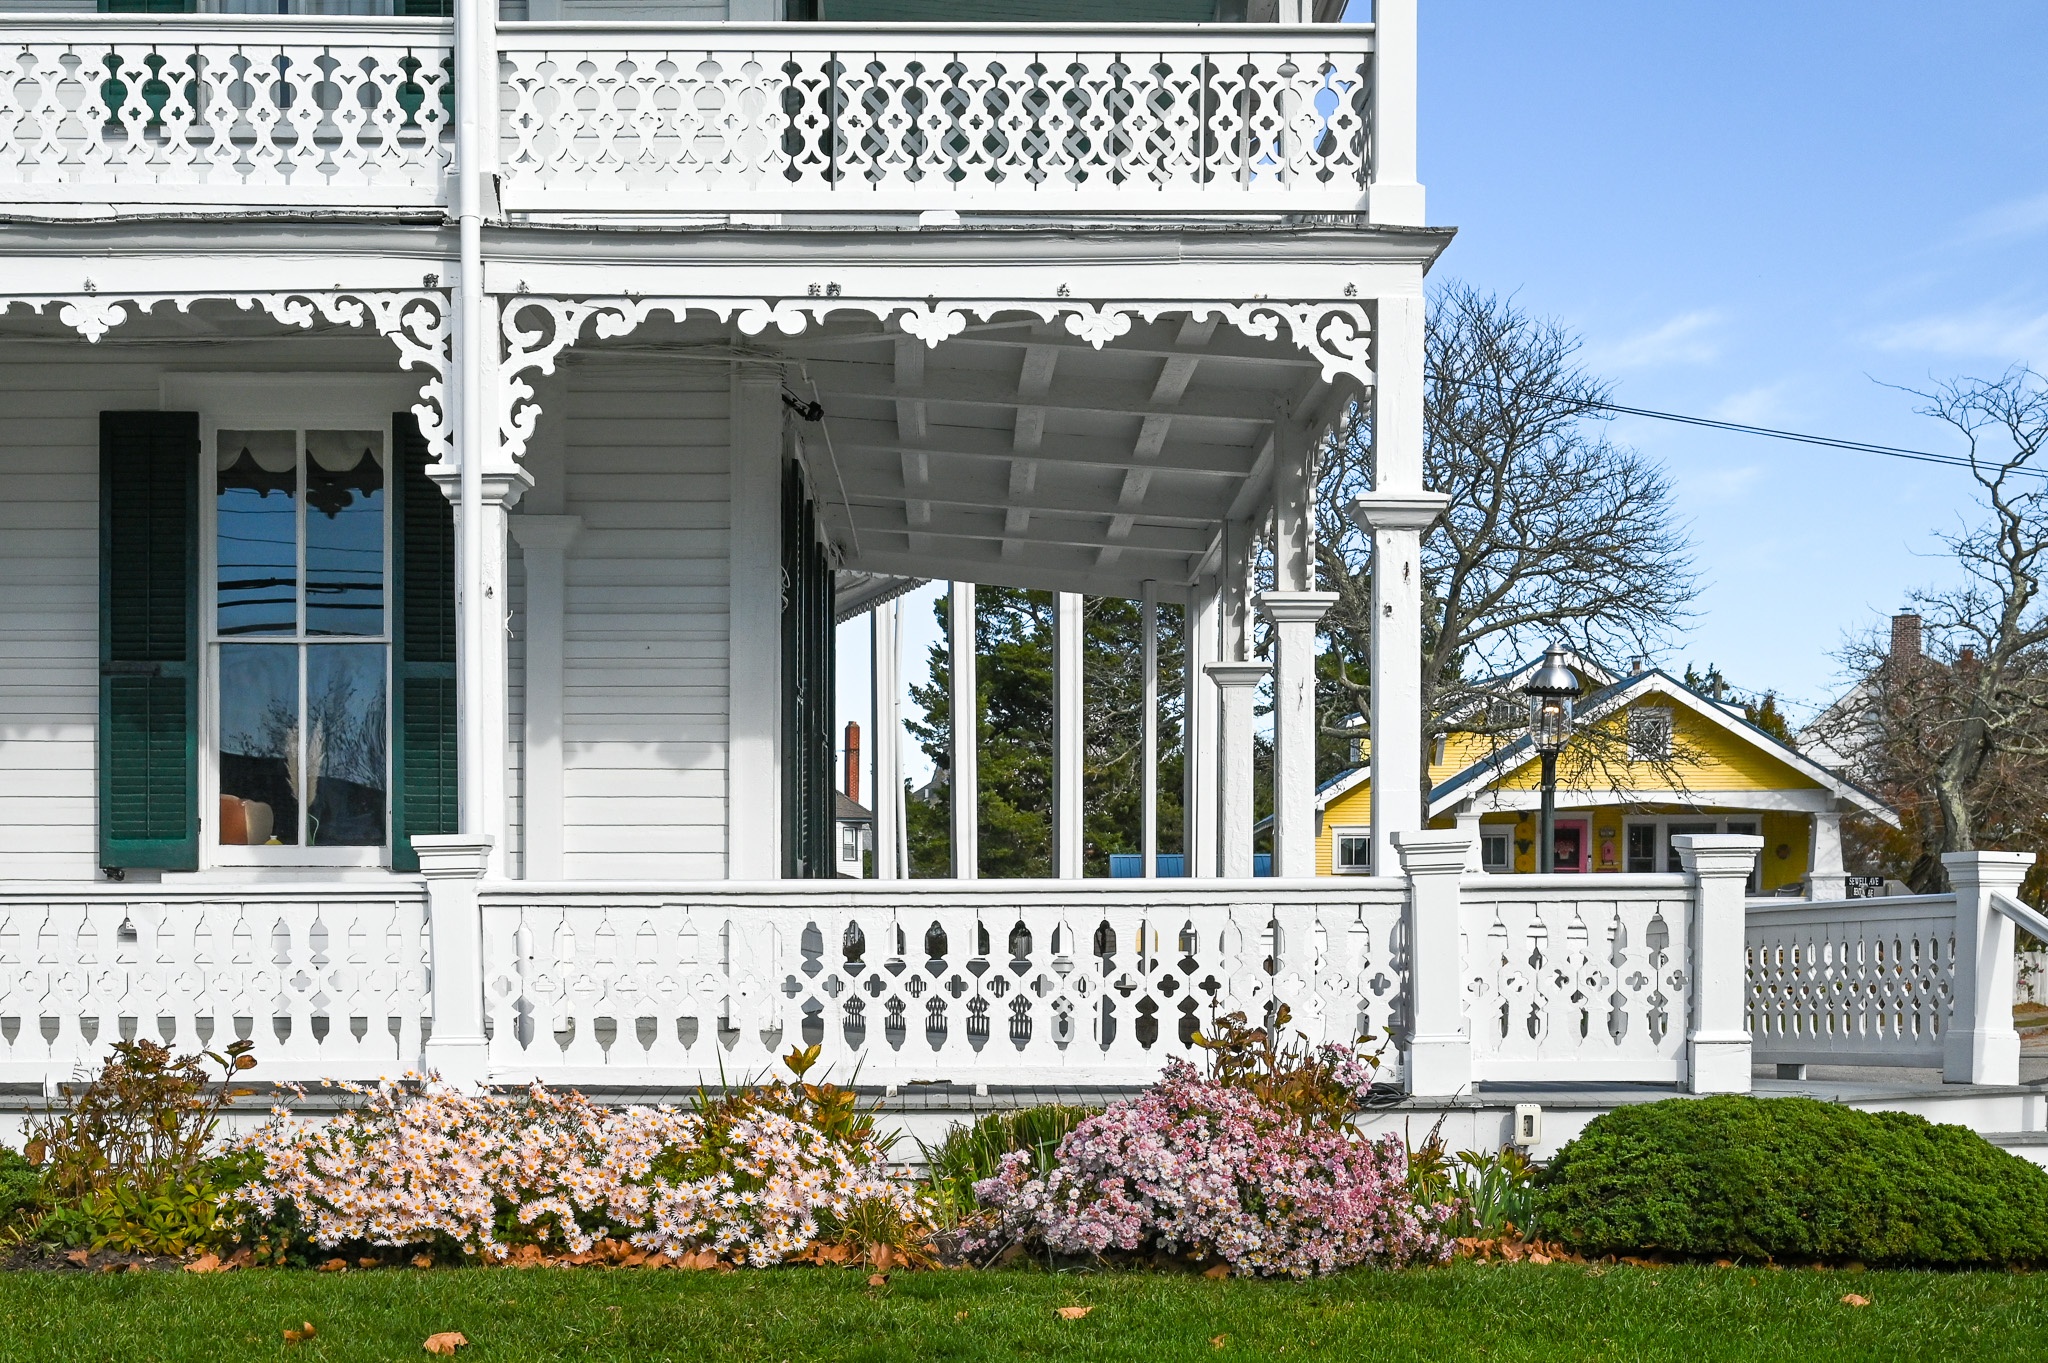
1551 692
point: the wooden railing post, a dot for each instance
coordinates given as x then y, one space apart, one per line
453 864
1981 1046
1440 1041
1718 1045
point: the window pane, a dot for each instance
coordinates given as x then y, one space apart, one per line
1679 830
259 727
258 548
1642 848
346 745
344 532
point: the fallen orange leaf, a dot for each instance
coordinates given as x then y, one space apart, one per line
1218 1341
334 1266
79 1256
447 1342
1853 1299
205 1263
367 1262
300 1335
878 1280
1216 1271
1074 1312
422 1261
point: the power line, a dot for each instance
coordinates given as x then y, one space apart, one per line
1741 428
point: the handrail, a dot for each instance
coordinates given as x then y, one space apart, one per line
2030 919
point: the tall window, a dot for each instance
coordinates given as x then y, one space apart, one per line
301 641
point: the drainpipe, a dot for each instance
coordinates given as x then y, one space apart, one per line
473 370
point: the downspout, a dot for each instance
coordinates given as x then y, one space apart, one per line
472 346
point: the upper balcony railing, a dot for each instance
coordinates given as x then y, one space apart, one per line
344 113
1093 118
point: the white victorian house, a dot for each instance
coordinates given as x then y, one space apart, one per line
435 446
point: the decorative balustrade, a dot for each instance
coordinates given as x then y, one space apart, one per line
1114 117
990 985
225 111
1852 982
330 983
1590 982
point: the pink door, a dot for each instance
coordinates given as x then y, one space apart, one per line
1574 843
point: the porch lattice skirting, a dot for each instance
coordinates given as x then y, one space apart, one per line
1472 979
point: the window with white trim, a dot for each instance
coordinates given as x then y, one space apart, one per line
1493 853
1351 851
1649 734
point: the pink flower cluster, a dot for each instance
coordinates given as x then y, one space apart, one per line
488 1171
1192 1166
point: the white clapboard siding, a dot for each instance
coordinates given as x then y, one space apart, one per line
49 607
515 712
645 621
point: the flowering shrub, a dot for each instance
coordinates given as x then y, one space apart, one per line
757 1175
1194 1165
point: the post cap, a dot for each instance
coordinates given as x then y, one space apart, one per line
452 856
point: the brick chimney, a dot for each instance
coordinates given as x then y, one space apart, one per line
1905 635
853 761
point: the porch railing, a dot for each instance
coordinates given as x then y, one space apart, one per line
1852 982
219 110
1666 979
1098 117
278 111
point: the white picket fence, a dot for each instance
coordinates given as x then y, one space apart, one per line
1666 979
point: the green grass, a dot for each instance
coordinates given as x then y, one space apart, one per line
1564 1312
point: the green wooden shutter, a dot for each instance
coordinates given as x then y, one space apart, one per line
149 640
424 780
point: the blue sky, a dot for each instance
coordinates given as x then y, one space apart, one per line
1762 212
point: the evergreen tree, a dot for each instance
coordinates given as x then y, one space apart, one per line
1014 681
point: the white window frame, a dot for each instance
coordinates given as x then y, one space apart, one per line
1719 823
1506 838
1666 721
1337 839
298 402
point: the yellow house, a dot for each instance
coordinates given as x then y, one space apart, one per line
1654 759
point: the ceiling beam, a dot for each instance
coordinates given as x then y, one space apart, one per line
851 433
1088 532
841 380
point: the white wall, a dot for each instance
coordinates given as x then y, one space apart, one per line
645 621
49 607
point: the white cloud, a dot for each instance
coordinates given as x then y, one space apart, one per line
1723 483
1681 340
2019 218
2000 332
1759 406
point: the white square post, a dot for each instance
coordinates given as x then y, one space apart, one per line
1718 1045
1236 685
1981 1046
454 864
1439 1036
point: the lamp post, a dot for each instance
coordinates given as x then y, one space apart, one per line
1551 693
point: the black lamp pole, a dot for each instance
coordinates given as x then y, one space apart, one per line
1551 692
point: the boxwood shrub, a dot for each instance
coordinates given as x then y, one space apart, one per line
1792 1178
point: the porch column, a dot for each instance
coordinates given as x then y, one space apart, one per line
1395 514
1468 829
1440 1047
483 608
1198 732
1067 629
1718 1046
543 548
1236 684
1825 877
1981 1046
1395 197
965 778
1148 822
753 791
1396 522
1294 616
886 673
1233 602
453 864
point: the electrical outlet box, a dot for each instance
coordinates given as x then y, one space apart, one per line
1528 1125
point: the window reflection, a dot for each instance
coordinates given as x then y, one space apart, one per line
257 536
259 744
345 745
344 532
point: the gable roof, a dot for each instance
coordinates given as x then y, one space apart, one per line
1510 756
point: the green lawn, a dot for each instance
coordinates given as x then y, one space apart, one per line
1560 1312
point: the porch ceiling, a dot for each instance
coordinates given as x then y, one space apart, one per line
1018 455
